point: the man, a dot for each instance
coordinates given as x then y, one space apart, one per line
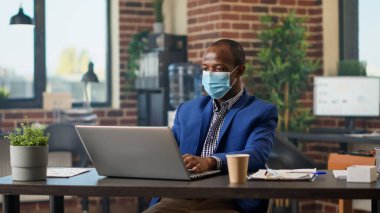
227 121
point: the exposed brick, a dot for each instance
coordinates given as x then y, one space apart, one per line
309 2
230 16
128 105
240 26
192 4
239 8
329 122
106 122
260 9
223 25
133 4
279 10
315 29
100 113
13 115
222 7
248 35
128 121
269 1
250 1
249 17
315 11
34 114
115 113
287 2
301 11
230 35
373 124
131 113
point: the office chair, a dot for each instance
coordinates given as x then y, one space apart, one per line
285 155
64 138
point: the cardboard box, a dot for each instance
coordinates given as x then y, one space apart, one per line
361 174
56 101
342 161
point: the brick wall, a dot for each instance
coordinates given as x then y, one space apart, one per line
240 20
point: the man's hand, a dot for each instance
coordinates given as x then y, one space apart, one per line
198 164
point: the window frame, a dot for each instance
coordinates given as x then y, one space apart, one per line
348 29
39 83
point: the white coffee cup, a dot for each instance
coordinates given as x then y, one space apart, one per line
237 167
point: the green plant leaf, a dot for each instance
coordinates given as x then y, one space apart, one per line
28 136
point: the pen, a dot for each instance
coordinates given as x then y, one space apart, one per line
315 173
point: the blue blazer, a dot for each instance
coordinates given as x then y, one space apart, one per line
247 128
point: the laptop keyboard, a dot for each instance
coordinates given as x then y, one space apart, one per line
198 175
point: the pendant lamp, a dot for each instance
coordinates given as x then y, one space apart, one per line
21 18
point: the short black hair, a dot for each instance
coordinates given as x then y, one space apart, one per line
236 50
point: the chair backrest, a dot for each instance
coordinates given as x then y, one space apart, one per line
285 155
63 137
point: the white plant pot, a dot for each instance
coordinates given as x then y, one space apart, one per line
29 163
158 27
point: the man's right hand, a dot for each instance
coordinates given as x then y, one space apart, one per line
199 164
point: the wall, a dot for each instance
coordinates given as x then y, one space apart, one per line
330 36
175 16
240 20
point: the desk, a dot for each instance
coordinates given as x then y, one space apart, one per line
90 184
322 137
343 139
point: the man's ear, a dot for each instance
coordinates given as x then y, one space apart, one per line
241 69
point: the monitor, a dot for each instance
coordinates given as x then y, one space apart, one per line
347 96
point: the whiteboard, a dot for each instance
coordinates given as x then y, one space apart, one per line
346 96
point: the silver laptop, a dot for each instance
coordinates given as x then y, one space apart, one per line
135 152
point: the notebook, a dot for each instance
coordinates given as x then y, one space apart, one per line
285 174
135 152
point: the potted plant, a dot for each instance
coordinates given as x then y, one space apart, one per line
158 26
285 68
29 153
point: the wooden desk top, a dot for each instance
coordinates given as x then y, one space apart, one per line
90 184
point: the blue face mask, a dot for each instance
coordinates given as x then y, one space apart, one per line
217 84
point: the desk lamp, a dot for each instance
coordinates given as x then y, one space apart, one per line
21 18
89 77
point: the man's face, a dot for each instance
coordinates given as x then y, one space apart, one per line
218 59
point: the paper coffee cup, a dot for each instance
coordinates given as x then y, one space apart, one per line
237 167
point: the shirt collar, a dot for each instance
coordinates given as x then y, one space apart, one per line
229 103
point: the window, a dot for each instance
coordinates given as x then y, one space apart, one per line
68 34
16 52
369 36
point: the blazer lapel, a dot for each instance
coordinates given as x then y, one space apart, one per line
206 120
231 114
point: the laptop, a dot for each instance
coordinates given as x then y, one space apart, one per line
136 152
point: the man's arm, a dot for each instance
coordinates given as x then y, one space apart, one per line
258 144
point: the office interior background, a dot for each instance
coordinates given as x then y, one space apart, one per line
53 55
